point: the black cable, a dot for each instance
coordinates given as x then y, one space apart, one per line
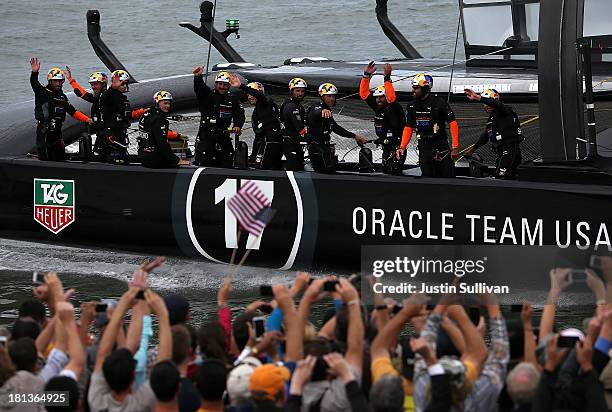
450 83
212 27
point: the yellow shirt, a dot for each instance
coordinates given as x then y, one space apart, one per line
383 366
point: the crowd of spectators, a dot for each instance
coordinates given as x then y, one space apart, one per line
142 352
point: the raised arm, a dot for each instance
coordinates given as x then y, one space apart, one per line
380 345
224 313
235 82
36 86
79 91
495 103
294 331
75 347
495 366
45 336
364 85
389 90
312 295
476 350
87 315
132 341
350 297
454 333
558 282
528 336
158 307
364 88
301 282
110 333
55 290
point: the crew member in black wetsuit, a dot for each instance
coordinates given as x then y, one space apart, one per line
50 108
389 117
153 147
428 114
503 130
293 123
321 124
265 124
99 84
116 115
219 109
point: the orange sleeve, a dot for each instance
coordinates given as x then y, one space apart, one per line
77 87
406 136
454 129
81 117
137 114
172 135
364 88
390 92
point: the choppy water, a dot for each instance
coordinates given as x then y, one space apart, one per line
146 37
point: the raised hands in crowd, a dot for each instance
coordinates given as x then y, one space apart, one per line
459 354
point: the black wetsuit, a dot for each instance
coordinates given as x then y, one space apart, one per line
389 122
321 152
218 111
293 118
116 116
153 147
428 117
266 125
50 108
97 127
258 140
504 131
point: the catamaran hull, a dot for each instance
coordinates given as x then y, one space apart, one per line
322 221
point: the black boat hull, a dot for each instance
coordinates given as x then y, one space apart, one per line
322 221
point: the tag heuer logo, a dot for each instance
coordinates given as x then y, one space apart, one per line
54 203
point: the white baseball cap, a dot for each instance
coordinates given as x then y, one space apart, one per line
238 379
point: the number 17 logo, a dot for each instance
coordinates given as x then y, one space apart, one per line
223 193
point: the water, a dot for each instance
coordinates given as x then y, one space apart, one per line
97 274
146 37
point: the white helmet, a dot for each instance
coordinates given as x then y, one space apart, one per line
98 77
223 77
56 74
123 75
422 80
490 93
379 91
161 95
297 82
257 86
327 88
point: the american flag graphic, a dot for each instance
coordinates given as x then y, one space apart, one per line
251 208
